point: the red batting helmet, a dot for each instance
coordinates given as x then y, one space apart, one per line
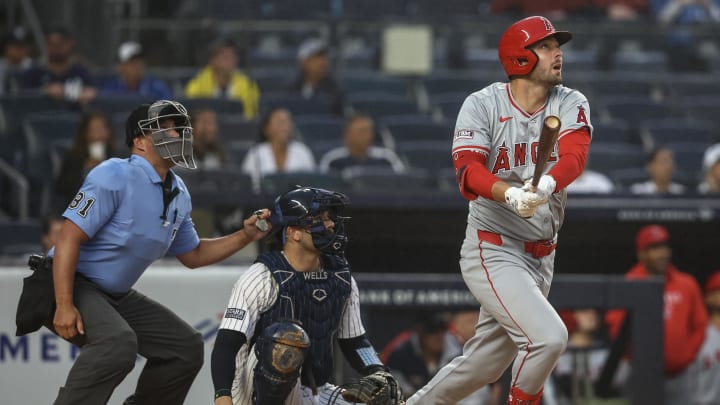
516 39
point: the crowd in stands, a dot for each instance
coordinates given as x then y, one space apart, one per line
653 135
338 124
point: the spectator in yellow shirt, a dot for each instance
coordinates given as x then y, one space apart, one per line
222 79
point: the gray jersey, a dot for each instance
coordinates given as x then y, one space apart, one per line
491 123
707 366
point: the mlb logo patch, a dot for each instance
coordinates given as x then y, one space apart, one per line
464 134
235 313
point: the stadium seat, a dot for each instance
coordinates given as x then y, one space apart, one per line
624 178
689 156
430 155
272 80
676 130
702 108
378 104
635 109
236 128
219 105
46 135
385 180
317 105
13 110
356 83
20 237
226 180
607 157
414 128
615 131
319 128
117 104
278 183
437 85
449 103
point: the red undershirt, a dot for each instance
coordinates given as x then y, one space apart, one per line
476 180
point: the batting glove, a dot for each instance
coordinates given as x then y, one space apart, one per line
546 186
523 202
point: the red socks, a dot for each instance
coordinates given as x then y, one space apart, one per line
518 397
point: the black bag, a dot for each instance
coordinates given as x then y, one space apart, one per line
37 301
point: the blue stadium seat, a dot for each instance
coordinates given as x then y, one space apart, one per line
227 180
635 109
607 157
615 131
320 128
20 237
317 105
430 155
385 180
118 103
45 133
437 85
272 80
236 128
414 128
449 103
702 108
363 82
13 110
676 130
219 105
278 183
379 104
624 178
689 156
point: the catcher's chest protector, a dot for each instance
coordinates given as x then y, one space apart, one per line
314 299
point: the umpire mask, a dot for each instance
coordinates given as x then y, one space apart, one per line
178 149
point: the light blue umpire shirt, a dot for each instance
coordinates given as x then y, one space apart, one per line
119 207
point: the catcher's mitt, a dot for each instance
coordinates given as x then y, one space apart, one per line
378 388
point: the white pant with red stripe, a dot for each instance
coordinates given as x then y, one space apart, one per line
516 323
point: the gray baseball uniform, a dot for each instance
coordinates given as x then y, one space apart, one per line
707 369
506 260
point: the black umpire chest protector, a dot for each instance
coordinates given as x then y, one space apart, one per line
316 300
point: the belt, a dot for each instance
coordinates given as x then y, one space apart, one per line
537 249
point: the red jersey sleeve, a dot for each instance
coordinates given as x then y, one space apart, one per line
472 176
572 155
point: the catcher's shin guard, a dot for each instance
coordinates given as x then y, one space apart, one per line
518 397
280 351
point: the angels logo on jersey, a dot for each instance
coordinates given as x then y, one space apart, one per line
581 118
519 156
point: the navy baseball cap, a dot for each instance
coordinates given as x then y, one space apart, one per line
17 36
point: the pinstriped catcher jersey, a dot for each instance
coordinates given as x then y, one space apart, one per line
256 292
491 123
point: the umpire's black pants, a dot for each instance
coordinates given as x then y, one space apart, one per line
117 329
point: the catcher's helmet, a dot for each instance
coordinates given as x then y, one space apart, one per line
514 54
302 207
148 118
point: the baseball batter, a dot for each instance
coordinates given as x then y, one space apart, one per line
507 256
290 307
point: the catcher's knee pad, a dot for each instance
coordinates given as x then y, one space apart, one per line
280 350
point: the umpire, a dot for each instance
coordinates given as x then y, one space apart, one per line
127 214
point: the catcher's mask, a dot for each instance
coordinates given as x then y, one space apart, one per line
304 207
154 118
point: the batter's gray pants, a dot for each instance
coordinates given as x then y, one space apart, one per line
117 329
517 323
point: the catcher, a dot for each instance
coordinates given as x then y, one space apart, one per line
289 307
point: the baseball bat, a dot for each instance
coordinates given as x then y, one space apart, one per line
548 137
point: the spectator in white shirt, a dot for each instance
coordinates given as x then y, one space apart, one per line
661 168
